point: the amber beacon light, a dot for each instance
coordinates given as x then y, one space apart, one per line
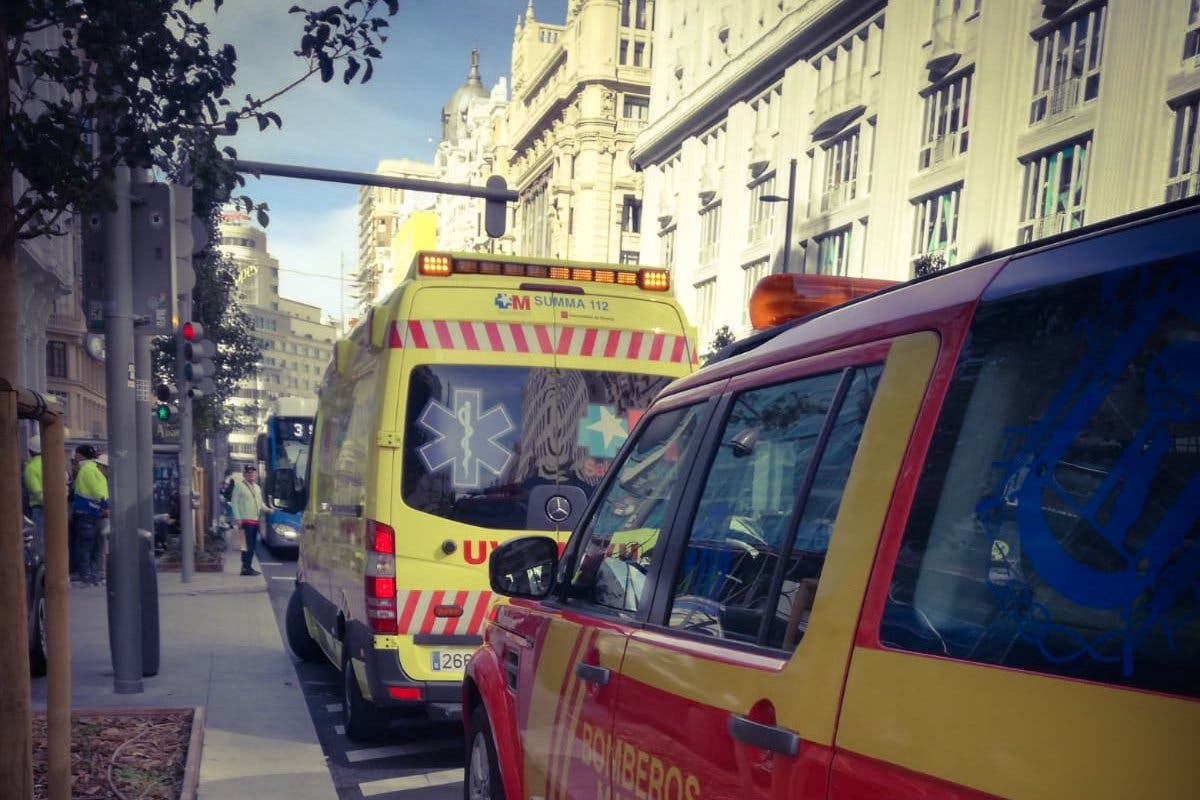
782 298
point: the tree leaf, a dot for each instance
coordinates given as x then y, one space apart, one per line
369 71
352 67
326 65
263 218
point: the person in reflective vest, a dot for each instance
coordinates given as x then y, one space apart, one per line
34 492
88 508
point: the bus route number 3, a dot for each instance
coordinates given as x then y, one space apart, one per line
449 662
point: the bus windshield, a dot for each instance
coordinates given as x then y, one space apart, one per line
479 440
293 435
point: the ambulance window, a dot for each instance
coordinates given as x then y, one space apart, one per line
745 552
621 536
1056 523
483 442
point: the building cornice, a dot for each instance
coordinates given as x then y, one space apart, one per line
795 37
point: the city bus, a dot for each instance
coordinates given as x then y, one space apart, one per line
284 444
483 399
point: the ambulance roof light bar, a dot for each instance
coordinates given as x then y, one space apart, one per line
443 265
789 296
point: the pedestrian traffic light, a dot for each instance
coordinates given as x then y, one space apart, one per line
197 353
166 394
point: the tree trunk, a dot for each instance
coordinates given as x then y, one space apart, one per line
16 745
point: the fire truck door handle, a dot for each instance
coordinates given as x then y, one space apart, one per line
765 737
592 673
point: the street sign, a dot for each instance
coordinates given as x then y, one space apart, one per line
93 285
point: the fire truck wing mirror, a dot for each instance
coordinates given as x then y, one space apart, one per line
524 567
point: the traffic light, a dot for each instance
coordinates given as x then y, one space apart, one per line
166 394
197 353
495 212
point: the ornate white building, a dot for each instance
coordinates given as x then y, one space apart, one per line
939 128
472 124
380 213
580 94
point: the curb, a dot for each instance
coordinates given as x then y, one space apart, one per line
191 768
196 590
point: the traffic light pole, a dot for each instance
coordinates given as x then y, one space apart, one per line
123 580
187 517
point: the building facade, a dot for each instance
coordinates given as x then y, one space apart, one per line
296 345
472 127
924 132
52 356
580 94
380 212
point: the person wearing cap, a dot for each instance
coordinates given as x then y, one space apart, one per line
248 505
34 491
89 507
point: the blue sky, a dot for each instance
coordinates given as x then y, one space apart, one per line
395 115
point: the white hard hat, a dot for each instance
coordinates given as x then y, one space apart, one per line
35 444
102 459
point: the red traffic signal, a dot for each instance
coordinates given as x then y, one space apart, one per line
191 331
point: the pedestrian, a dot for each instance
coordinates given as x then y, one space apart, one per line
35 494
89 508
248 506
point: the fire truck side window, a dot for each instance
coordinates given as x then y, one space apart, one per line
761 530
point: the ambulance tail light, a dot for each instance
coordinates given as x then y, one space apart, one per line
782 298
654 280
380 578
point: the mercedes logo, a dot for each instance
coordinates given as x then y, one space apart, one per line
558 508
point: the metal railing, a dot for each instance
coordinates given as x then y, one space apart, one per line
837 195
1187 185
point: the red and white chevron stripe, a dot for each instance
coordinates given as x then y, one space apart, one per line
417 607
516 337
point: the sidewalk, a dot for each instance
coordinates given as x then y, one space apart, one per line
220 648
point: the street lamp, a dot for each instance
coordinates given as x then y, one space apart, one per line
791 202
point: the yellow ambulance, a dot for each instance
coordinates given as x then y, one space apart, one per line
483 399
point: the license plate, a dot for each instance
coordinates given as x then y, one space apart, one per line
449 662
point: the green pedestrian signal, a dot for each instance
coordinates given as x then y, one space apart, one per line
162 412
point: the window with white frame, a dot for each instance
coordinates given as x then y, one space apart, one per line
1191 39
762 213
1184 176
666 248
629 257
752 273
935 232
710 232
944 132
706 296
635 107
631 214
833 252
1054 191
843 68
841 171
1067 71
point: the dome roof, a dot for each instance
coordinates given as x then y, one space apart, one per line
453 116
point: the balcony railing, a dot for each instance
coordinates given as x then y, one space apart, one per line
1049 225
1061 99
943 149
837 196
630 124
1183 186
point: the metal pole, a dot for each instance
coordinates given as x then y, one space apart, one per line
58 644
260 168
124 596
791 204
187 519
